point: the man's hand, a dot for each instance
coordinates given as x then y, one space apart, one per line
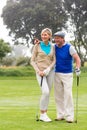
36 41
77 71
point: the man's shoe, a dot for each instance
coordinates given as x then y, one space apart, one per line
45 118
59 119
69 121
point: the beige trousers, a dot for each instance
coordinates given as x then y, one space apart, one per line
45 89
63 95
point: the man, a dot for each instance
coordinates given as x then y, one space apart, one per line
63 79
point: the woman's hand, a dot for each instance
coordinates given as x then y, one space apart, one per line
41 73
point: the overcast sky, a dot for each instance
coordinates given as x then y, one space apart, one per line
3 30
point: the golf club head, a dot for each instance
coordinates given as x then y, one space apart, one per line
75 121
37 119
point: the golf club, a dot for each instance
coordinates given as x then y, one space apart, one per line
77 100
37 118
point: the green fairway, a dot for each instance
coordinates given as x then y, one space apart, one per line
19 103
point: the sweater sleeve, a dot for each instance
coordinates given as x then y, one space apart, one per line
54 59
33 58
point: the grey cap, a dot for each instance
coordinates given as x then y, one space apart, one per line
60 34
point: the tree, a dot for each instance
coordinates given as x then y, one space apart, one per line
4 49
26 18
77 10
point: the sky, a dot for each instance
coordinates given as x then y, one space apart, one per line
3 30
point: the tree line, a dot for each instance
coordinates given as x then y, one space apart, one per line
26 18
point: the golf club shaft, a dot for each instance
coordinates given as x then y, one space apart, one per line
77 99
77 80
41 81
37 118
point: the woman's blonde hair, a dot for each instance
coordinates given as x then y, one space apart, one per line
48 30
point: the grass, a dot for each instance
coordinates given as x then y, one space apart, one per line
19 101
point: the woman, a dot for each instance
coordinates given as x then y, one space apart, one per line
43 60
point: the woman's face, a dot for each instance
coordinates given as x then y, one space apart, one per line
45 37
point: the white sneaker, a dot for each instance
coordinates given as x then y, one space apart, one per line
69 120
45 118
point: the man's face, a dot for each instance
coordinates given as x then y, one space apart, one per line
59 40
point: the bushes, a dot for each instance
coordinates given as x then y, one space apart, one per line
17 71
15 61
22 61
8 61
27 71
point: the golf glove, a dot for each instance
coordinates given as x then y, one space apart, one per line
46 71
77 71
